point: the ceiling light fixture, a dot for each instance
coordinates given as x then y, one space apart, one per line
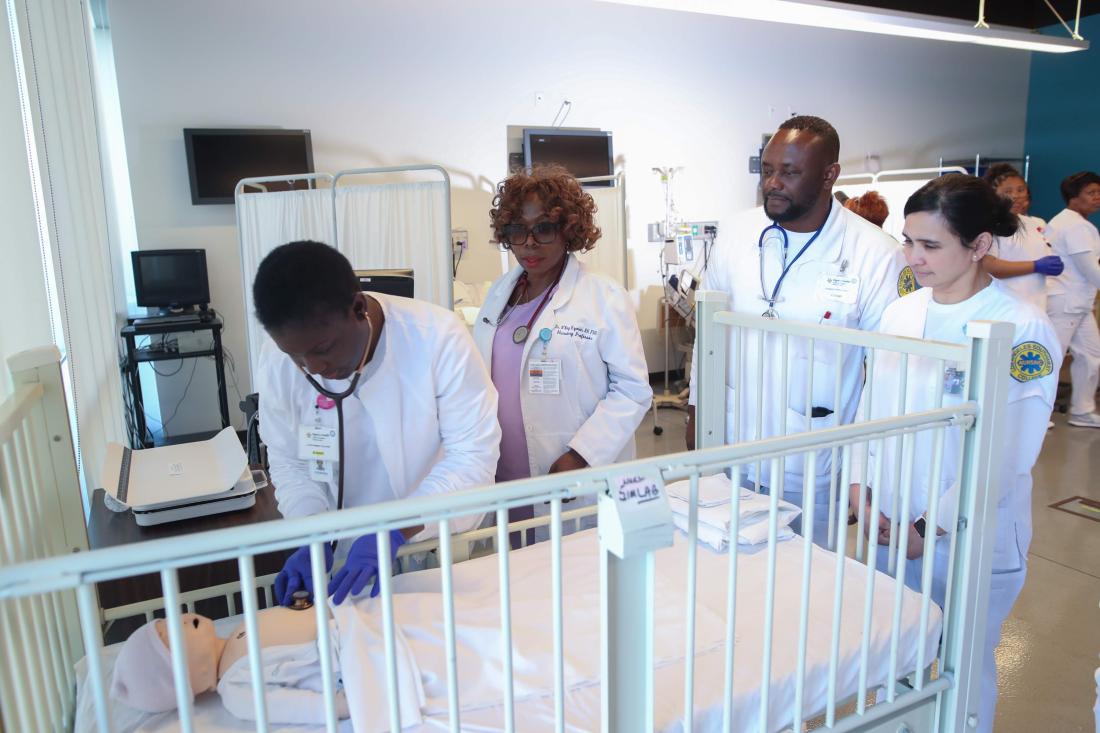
847 17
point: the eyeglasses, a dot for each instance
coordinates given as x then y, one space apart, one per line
515 235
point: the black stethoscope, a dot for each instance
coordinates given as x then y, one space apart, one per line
338 398
774 297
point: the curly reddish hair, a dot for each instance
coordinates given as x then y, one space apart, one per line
562 198
871 206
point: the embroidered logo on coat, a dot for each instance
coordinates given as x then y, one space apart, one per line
1030 360
907 281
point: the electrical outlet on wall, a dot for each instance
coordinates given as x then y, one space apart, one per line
460 239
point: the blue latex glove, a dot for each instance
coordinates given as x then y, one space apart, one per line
296 575
1049 265
362 565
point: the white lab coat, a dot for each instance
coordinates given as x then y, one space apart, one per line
1026 245
1029 405
1069 234
432 407
847 245
605 388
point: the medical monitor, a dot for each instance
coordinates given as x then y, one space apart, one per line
584 153
218 159
170 279
388 282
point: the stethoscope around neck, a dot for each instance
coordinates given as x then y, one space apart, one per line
774 226
338 398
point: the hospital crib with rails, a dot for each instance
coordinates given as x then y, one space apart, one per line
685 638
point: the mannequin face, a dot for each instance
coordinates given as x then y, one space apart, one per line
203 647
938 257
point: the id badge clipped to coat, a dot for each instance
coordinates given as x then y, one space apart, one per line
544 374
319 440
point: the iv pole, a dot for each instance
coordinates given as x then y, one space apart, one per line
668 229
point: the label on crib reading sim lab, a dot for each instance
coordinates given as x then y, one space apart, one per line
544 376
838 288
635 515
318 442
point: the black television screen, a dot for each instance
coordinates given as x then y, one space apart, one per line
389 282
218 159
170 278
584 153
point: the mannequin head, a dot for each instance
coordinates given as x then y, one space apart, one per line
143 671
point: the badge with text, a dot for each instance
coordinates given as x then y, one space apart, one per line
318 442
838 288
544 376
1030 360
953 380
635 515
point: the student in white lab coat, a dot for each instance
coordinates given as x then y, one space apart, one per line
562 343
801 257
950 225
404 378
1070 297
1023 260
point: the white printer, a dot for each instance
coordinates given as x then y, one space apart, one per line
176 482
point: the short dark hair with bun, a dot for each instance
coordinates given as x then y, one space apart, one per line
1072 185
968 204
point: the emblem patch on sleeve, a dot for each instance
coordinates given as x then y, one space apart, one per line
1030 360
907 281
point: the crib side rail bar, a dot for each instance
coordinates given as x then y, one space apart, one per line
968 595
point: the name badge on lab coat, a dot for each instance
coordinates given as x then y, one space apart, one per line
544 376
320 470
318 442
838 288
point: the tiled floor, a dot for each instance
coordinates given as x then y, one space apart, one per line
1051 641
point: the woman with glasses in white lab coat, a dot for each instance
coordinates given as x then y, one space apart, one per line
950 226
562 342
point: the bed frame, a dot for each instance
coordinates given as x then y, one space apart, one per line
50 617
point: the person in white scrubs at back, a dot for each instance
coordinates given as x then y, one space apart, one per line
1072 296
1024 260
800 257
562 342
950 226
363 399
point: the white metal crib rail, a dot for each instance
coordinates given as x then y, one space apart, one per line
40 517
943 703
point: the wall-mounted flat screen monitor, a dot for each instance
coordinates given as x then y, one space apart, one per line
584 153
218 159
388 282
170 278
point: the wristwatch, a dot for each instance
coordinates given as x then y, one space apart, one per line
920 525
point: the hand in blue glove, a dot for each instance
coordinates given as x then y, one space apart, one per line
1049 265
362 565
296 575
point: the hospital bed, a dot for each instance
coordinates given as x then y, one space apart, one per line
688 638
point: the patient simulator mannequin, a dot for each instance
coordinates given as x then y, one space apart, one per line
289 656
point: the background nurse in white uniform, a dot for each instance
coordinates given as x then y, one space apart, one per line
1072 296
1023 260
801 257
419 411
950 224
562 343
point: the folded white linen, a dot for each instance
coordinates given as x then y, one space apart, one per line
713 490
715 517
753 534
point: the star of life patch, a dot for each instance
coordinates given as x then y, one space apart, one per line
1030 360
907 281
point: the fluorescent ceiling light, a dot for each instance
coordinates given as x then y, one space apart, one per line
846 17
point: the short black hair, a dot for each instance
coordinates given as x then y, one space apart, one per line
1072 185
998 173
819 127
968 204
302 280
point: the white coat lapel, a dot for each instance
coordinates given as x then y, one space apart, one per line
548 317
495 302
382 403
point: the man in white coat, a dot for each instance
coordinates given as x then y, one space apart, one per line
801 257
1071 296
363 399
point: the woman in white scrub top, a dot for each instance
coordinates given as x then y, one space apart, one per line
562 342
1024 259
950 225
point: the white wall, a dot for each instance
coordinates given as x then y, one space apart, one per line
402 81
25 322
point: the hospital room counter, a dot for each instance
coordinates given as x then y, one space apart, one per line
109 529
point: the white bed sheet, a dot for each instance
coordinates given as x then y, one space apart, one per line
418 608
